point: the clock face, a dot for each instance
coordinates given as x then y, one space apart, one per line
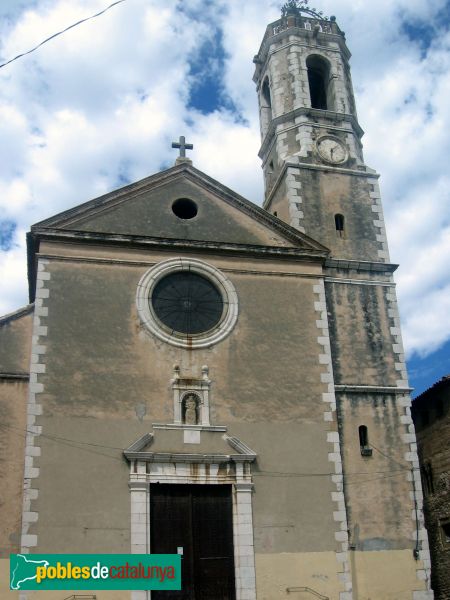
332 150
187 303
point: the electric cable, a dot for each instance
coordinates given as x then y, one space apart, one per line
91 447
61 32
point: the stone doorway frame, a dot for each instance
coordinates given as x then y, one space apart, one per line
147 468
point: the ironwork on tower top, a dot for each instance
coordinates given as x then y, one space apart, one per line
297 7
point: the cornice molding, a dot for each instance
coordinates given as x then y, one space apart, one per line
313 113
371 389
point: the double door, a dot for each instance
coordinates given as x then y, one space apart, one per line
197 521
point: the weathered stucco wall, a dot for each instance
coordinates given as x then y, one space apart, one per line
325 195
102 369
15 341
13 400
15 344
377 487
360 335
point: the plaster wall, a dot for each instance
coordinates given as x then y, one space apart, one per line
15 344
326 194
360 334
107 380
13 422
306 575
377 489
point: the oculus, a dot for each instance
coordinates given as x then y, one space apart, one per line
187 303
184 208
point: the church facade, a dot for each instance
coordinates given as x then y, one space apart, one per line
200 375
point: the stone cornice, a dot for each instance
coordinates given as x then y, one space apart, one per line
135 241
360 265
311 113
138 451
371 389
271 38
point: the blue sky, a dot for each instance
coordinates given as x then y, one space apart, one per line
99 107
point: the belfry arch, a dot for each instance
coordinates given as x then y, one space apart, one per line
265 103
319 81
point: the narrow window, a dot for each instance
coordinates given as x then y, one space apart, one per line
266 93
318 78
339 224
427 478
265 101
364 441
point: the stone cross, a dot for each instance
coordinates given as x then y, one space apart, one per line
181 144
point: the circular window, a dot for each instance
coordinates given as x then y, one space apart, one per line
187 303
184 208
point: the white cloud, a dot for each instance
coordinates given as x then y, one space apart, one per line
106 99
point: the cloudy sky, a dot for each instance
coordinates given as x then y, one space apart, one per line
98 107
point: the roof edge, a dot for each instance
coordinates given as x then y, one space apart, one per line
17 314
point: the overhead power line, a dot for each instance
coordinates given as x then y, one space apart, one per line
95 448
61 32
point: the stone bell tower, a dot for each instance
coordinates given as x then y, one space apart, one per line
314 171
316 180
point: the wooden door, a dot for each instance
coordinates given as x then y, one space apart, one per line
197 518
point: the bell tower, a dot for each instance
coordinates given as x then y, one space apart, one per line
311 151
316 180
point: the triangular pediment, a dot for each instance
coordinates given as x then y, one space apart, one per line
168 443
145 210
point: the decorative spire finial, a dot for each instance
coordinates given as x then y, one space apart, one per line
297 7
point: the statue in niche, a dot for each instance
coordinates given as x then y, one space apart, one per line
190 409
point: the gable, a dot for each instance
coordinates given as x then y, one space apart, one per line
151 214
146 210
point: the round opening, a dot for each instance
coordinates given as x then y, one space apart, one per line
184 208
187 303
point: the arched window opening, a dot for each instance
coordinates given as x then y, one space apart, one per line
266 93
265 106
364 441
339 223
318 78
